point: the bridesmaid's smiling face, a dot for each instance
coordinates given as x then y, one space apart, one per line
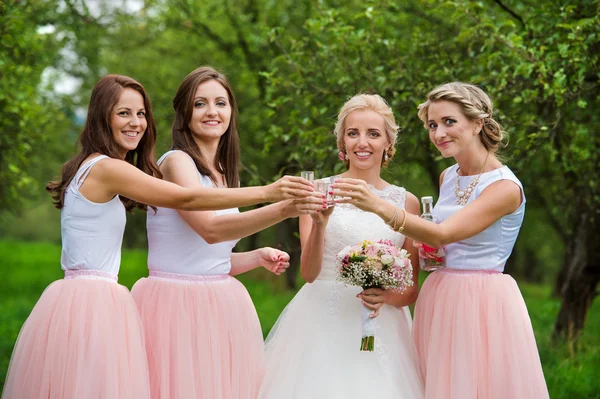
211 111
128 121
365 139
449 129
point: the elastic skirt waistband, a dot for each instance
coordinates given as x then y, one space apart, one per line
90 275
467 272
187 278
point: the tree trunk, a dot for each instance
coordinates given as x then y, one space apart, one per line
530 273
561 278
582 275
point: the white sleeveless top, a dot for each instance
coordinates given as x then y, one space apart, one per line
174 247
349 225
92 233
489 249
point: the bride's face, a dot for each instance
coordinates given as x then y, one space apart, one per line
365 139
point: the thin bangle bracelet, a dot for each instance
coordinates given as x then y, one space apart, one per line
392 222
401 228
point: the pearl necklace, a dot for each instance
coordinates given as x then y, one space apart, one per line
462 196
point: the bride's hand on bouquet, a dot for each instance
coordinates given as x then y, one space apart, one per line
355 192
372 298
274 260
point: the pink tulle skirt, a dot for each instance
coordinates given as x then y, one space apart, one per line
474 338
203 337
83 339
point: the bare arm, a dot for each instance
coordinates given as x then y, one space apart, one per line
179 169
312 237
374 298
498 199
117 177
410 295
270 258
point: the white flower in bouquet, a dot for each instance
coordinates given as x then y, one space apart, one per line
387 259
374 265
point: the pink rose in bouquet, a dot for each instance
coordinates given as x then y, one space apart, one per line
374 265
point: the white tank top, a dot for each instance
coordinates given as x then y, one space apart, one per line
489 249
92 233
174 247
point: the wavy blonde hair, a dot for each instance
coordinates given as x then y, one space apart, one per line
475 105
372 102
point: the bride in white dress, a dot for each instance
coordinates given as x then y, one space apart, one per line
313 351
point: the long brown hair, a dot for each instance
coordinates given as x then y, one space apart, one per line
228 151
97 137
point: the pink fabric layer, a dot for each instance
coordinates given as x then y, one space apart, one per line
83 339
203 339
474 339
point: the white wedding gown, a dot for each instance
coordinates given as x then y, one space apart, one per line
313 351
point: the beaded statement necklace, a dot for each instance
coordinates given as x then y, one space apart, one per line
462 196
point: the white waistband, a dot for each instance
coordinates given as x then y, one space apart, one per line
467 272
90 275
187 278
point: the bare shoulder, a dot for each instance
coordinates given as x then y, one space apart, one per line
109 167
177 159
412 203
179 168
113 174
443 174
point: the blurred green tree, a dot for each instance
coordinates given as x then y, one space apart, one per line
539 61
28 111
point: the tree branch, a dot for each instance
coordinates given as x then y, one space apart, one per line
241 40
86 18
203 30
450 29
511 12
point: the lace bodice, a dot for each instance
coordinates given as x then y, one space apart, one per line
349 225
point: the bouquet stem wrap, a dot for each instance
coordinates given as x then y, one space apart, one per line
374 265
368 330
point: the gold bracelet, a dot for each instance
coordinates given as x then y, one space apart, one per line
401 228
392 222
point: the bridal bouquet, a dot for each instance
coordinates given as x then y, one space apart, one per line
374 265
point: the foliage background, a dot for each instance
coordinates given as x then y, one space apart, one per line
292 65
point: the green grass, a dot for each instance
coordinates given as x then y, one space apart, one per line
27 268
